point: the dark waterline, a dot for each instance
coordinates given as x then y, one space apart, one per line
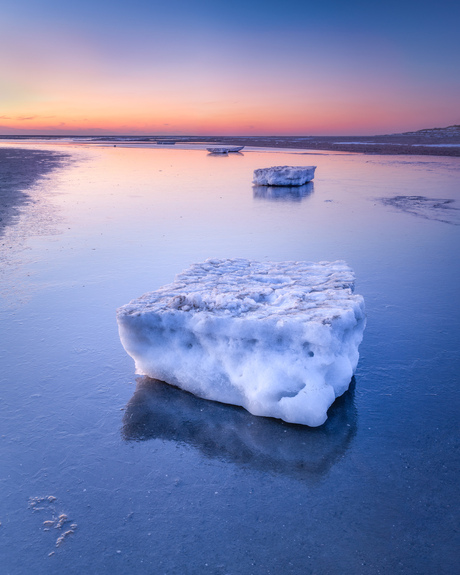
19 170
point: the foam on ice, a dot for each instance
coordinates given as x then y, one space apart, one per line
280 339
284 175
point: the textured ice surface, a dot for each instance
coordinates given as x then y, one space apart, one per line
224 150
284 175
280 339
218 150
441 210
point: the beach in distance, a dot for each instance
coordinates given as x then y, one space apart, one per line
430 142
105 470
427 142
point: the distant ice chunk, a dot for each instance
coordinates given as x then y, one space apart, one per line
284 175
217 150
280 339
224 150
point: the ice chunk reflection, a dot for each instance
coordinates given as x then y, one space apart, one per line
160 411
283 193
223 154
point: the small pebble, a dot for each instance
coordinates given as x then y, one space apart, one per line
61 521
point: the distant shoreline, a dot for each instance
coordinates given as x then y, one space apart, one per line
371 146
426 143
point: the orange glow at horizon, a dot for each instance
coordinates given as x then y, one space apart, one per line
153 69
102 113
257 120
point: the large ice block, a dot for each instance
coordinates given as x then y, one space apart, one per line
280 339
284 175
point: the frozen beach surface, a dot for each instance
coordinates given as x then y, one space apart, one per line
280 339
284 175
439 209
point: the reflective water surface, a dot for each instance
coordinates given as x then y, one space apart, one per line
149 479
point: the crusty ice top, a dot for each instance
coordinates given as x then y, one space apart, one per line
256 290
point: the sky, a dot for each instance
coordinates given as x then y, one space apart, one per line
241 67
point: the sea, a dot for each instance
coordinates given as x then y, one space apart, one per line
105 471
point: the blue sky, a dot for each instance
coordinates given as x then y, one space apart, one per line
247 67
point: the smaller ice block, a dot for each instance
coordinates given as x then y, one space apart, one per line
284 175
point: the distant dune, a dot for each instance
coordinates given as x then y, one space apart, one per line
449 132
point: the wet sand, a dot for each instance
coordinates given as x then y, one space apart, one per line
20 169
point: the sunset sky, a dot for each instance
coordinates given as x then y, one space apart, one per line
248 67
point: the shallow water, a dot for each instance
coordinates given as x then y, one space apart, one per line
158 481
